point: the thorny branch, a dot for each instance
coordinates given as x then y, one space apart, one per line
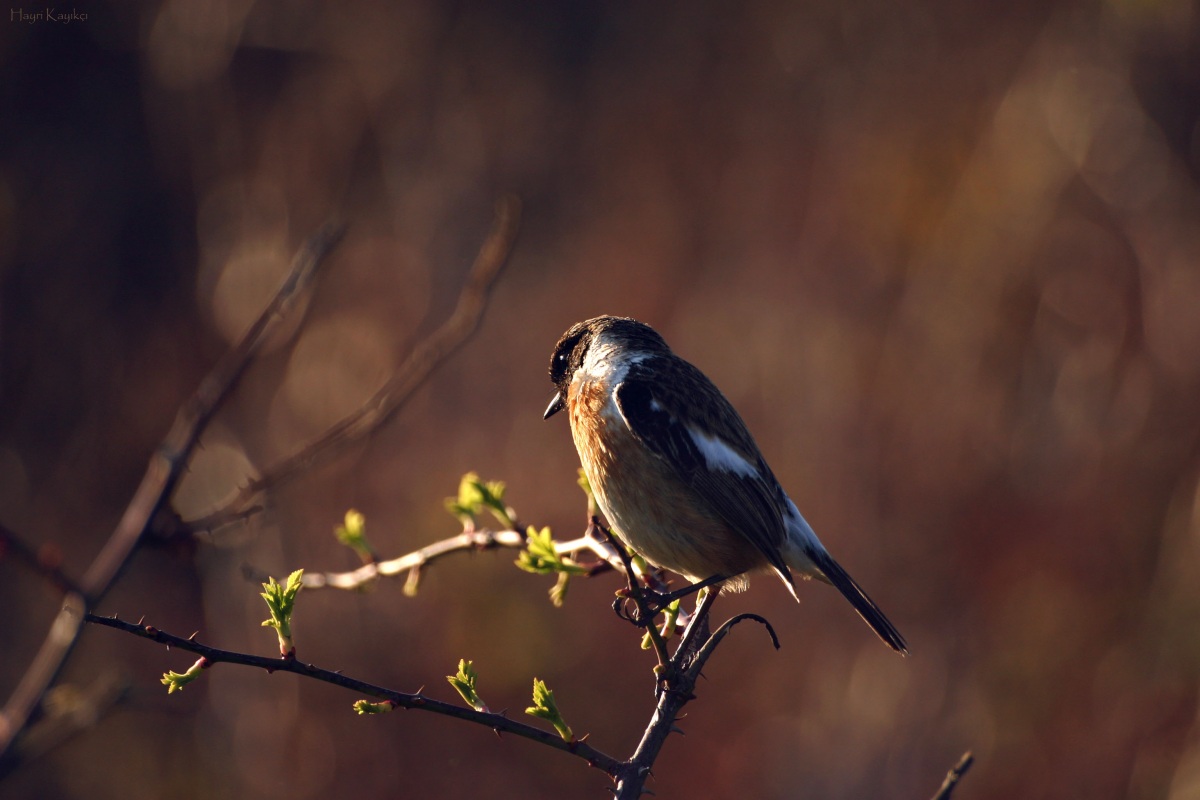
682 674
148 511
497 722
164 471
677 673
427 356
629 775
678 676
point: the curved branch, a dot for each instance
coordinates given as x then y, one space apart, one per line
426 357
469 540
166 467
710 645
684 671
497 722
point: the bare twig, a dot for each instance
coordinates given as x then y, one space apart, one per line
711 643
167 464
954 776
165 468
427 356
497 722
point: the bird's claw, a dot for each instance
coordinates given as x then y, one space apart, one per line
642 610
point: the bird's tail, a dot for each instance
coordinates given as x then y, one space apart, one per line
863 604
804 553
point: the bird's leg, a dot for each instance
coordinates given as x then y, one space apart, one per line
660 600
651 602
642 614
598 530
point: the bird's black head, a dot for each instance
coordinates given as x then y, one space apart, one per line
572 348
568 354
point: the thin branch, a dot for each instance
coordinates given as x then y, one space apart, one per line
426 357
677 674
167 464
954 776
497 722
469 540
711 643
165 468
685 668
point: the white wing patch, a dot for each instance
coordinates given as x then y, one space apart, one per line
720 456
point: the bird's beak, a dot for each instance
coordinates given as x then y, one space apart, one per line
556 405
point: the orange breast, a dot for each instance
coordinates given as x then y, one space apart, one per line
650 507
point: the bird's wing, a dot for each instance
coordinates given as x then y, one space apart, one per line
715 456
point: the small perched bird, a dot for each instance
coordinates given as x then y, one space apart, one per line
676 472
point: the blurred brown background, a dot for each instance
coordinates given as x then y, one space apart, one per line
944 257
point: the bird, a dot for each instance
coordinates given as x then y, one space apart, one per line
676 472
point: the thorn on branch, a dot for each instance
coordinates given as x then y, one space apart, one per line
497 722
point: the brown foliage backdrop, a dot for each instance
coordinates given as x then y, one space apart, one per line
943 256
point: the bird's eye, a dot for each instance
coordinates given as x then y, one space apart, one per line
562 357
